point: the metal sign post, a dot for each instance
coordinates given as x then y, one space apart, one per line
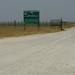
38 25
24 27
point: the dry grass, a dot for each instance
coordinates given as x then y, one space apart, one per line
68 25
11 31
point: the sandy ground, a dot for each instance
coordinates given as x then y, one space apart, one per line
42 54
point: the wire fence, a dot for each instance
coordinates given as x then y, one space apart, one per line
11 23
17 24
43 23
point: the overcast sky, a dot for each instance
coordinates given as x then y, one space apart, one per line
11 10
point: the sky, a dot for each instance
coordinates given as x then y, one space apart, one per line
11 10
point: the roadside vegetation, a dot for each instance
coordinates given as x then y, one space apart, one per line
11 31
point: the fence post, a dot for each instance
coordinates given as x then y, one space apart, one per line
50 24
46 23
14 23
43 23
24 26
61 24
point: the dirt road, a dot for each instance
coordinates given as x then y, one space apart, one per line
42 54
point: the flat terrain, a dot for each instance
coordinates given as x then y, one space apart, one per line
41 54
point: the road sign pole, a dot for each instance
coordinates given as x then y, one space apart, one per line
38 25
24 26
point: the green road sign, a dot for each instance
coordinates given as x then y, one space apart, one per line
31 17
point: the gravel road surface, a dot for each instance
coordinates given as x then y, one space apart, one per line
41 54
